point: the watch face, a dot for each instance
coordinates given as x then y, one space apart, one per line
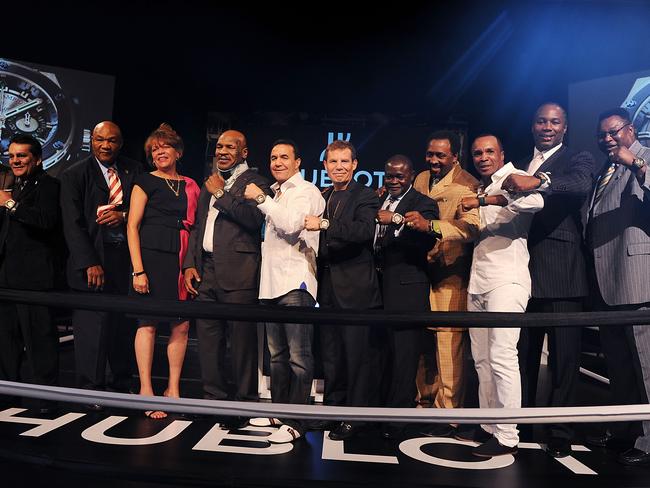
32 102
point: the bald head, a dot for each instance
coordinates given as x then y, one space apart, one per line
231 150
106 142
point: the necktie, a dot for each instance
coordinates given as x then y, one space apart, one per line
604 180
536 163
115 194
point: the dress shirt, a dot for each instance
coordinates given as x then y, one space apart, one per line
537 162
501 252
111 234
213 212
288 250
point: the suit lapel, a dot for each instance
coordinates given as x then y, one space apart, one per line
97 176
548 163
442 185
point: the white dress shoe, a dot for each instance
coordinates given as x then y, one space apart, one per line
264 422
283 435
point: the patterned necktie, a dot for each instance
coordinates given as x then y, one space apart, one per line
115 194
604 180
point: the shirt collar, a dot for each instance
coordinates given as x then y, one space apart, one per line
293 181
547 154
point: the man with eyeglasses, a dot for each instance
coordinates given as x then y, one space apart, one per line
557 263
95 195
618 243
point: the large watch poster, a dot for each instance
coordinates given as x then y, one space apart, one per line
57 106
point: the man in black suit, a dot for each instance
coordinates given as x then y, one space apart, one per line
557 263
403 235
29 239
223 265
347 279
94 222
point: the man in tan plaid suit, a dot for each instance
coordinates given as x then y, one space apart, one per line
449 264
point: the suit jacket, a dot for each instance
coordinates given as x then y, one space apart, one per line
557 262
83 189
450 259
346 247
237 235
619 236
405 282
30 237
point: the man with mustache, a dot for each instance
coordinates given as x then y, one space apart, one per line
618 245
95 194
450 259
223 265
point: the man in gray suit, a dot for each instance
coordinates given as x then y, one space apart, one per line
618 241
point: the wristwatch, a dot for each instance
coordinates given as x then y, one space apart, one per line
138 273
10 204
218 193
397 219
543 179
33 102
638 163
261 198
324 224
481 200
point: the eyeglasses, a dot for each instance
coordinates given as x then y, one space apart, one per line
612 133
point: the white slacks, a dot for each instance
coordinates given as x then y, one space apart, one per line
495 356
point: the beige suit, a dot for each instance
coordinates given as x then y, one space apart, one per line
449 265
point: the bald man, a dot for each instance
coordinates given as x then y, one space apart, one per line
223 265
94 222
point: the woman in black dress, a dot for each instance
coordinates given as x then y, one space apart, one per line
162 210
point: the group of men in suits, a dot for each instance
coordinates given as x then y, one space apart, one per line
409 250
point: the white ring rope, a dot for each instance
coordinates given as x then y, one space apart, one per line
609 413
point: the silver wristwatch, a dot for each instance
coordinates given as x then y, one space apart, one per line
397 219
324 224
639 163
261 198
218 193
10 204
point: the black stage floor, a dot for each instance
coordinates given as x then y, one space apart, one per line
123 447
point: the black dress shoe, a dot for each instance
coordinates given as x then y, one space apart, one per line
558 447
599 440
634 457
343 431
438 430
233 423
322 425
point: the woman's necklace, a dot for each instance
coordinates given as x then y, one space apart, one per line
174 184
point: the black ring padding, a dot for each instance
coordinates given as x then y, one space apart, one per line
310 315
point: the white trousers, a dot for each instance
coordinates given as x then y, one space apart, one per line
495 356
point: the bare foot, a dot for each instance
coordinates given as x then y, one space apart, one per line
155 414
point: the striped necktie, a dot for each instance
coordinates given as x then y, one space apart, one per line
115 194
604 180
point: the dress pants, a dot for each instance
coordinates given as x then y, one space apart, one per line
495 356
28 328
292 361
101 336
345 352
212 339
642 341
564 359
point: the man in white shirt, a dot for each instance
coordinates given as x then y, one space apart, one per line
288 278
499 282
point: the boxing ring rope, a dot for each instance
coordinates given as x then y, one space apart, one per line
136 306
